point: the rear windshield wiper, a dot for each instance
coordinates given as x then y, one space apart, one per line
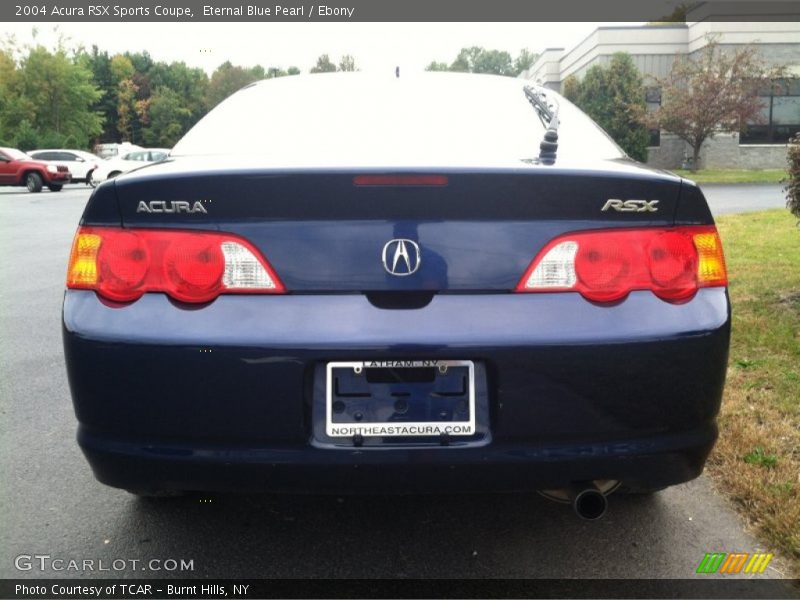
548 115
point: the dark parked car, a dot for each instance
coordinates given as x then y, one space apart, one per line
439 282
17 168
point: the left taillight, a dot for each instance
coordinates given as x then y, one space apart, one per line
605 266
190 266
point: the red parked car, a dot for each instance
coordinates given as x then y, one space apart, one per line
17 168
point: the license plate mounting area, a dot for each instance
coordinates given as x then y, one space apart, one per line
384 402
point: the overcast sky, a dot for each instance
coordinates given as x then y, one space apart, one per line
375 46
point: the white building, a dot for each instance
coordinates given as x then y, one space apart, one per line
654 48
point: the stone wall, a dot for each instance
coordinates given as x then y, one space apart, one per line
670 154
721 152
763 156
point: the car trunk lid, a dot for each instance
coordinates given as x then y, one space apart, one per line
337 231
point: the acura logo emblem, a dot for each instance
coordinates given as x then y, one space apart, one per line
401 257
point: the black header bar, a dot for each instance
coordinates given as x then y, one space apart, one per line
54 11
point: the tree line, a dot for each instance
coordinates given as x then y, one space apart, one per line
476 59
68 97
74 98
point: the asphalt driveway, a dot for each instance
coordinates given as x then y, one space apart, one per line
727 198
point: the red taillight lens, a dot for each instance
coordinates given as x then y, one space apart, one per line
672 259
123 264
194 268
605 266
602 268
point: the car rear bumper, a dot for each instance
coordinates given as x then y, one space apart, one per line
655 461
222 397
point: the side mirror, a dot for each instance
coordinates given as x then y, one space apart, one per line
79 159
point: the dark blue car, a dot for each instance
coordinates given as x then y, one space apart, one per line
342 283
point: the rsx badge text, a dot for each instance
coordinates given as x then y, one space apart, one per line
631 205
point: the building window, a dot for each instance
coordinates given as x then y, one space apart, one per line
780 114
652 96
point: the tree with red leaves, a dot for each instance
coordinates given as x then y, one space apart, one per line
714 90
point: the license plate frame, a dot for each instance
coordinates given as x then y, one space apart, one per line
400 429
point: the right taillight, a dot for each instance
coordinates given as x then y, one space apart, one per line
123 264
605 266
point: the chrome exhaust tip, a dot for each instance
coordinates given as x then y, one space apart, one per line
588 498
590 504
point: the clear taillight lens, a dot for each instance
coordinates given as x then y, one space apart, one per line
605 266
123 264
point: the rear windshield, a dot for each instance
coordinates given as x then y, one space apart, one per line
359 119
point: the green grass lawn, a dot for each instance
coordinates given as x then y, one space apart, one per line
757 458
733 175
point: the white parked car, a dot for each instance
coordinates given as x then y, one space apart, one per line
110 168
113 149
80 164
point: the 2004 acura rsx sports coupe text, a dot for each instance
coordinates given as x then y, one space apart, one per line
417 283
